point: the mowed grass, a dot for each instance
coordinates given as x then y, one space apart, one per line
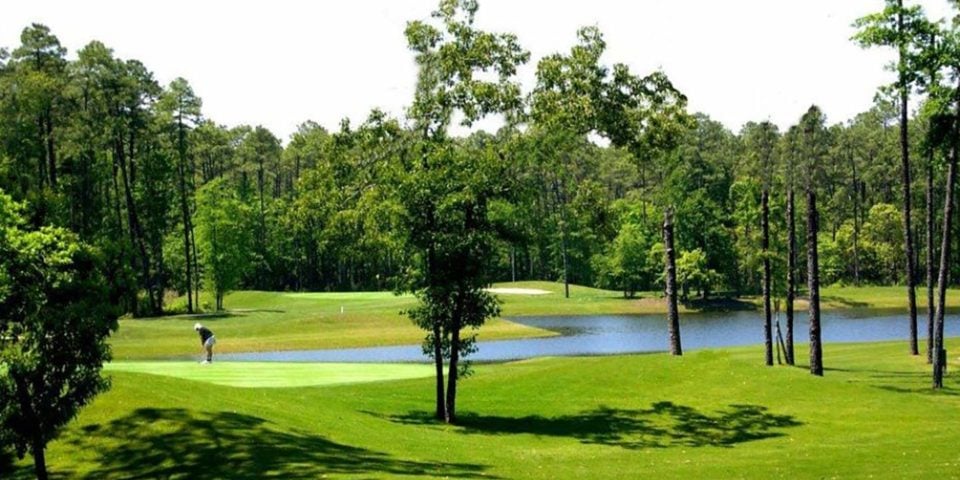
267 321
593 301
709 414
276 375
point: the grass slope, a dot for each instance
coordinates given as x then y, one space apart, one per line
586 300
264 321
709 414
276 375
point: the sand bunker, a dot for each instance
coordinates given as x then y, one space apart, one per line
518 291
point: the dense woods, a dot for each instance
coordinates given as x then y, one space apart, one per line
92 143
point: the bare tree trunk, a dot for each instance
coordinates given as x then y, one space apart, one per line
767 327
813 284
441 412
136 232
943 277
856 221
905 183
562 205
39 460
50 148
451 416
185 211
930 276
791 272
673 315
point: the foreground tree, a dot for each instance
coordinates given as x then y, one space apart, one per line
895 27
444 195
670 284
761 141
813 139
55 317
946 130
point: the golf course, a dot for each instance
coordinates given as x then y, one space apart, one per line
713 413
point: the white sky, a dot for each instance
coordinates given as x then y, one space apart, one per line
282 62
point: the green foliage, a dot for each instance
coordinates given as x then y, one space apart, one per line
224 239
693 272
628 265
55 317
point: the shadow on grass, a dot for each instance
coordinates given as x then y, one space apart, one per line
176 443
902 381
663 425
928 390
846 302
718 304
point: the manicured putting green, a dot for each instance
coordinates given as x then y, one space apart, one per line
276 374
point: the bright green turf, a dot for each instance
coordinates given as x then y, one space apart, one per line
260 321
585 300
709 414
276 375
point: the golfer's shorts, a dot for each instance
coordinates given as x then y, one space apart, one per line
210 342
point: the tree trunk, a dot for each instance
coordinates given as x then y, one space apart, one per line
50 148
943 277
196 266
791 273
185 212
136 233
767 327
39 459
930 255
856 221
41 161
813 284
905 184
441 412
673 316
451 416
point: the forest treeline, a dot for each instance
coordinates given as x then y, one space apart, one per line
94 143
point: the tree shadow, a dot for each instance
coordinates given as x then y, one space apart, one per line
927 390
719 304
846 302
176 443
917 382
663 425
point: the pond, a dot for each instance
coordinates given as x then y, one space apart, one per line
616 334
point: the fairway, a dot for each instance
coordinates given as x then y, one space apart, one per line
275 374
708 414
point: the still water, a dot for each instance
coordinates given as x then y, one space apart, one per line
614 334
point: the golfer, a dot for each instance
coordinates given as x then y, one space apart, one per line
207 340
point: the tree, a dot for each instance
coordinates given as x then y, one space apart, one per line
55 317
625 266
575 96
813 141
896 26
761 140
260 149
40 66
182 111
225 242
670 273
447 191
945 128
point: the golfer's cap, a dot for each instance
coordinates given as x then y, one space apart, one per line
197 326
